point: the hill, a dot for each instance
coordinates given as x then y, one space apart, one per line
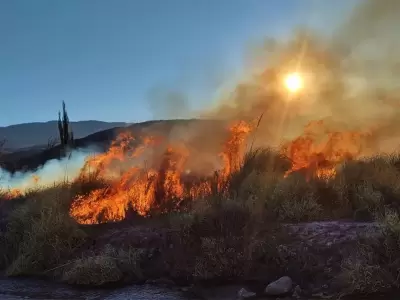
35 135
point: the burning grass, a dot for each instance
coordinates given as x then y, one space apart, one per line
220 226
308 174
160 182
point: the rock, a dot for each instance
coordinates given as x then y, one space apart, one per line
297 292
280 287
160 281
322 296
245 294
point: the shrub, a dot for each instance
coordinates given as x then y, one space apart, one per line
223 239
257 161
375 266
110 265
93 270
294 199
40 234
371 184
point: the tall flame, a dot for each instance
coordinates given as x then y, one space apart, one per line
319 150
144 188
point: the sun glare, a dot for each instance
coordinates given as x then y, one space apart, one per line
293 82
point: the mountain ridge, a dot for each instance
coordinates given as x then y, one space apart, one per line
26 135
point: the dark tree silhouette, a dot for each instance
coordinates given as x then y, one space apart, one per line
66 136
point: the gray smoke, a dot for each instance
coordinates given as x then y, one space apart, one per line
168 103
53 171
351 80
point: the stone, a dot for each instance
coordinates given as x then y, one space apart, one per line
282 286
297 292
245 294
161 281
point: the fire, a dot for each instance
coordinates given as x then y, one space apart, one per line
13 193
145 175
319 150
134 184
131 187
234 146
35 179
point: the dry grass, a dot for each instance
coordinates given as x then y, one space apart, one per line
224 239
40 234
367 185
230 235
109 266
93 270
375 265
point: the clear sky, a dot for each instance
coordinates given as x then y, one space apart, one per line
104 57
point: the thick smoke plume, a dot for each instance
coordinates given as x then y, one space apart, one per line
351 81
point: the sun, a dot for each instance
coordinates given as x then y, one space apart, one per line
293 82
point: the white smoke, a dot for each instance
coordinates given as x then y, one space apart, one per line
53 171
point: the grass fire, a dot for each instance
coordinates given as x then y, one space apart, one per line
295 172
164 183
131 182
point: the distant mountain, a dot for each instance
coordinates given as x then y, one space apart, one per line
38 134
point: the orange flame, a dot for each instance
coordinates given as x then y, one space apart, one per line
319 150
162 185
35 179
13 193
234 146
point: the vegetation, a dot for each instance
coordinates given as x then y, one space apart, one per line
39 233
375 265
66 135
232 236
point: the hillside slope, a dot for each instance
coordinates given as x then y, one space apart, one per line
31 134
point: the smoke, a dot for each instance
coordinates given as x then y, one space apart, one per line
372 46
351 80
168 103
53 171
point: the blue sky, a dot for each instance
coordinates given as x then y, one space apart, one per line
105 57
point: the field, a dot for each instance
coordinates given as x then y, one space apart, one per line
138 225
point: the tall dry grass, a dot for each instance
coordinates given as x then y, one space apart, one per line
40 234
237 234
224 236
